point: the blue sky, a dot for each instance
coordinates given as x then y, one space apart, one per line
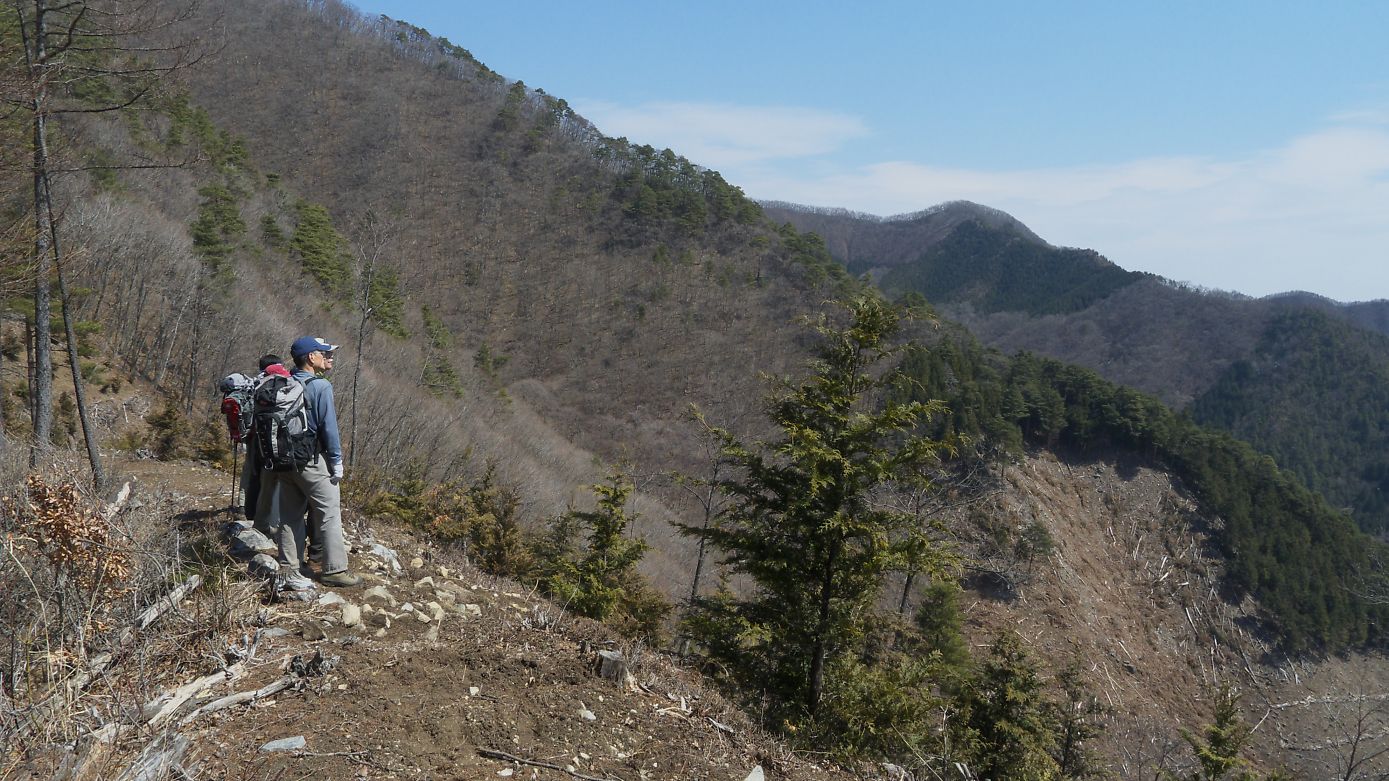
1235 145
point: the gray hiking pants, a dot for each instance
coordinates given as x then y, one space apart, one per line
258 502
292 494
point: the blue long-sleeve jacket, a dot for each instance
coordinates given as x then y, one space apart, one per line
323 415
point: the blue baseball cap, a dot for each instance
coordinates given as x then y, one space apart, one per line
310 344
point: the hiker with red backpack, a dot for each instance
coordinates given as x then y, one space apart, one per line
262 517
299 451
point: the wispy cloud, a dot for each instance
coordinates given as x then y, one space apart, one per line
722 135
1311 213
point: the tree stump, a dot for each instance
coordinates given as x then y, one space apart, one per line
612 666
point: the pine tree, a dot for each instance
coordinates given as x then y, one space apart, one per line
800 520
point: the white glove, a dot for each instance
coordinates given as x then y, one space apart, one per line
335 473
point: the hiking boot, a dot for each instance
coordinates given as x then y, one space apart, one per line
342 579
293 581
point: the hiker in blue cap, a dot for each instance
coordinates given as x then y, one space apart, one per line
314 489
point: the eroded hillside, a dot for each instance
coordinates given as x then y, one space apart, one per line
1132 593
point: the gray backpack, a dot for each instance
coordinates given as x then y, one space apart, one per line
280 425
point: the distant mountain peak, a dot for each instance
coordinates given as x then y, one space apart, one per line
942 217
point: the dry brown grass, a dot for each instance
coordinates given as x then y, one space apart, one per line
75 577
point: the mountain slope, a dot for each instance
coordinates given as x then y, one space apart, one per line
1176 343
562 298
1315 391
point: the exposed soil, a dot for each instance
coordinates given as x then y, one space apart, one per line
1133 592
1130 591
513 674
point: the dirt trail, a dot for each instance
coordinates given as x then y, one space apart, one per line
446 664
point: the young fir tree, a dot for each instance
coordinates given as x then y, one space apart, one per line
800 521
602 581
1004 728
1220 746
1079 722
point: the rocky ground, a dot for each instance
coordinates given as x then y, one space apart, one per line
429 670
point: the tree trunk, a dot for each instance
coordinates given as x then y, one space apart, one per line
43 357
699 561
906 592
357 365
74 360
822 630
29 370
4 442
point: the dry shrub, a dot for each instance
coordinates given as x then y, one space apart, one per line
74 538
73 577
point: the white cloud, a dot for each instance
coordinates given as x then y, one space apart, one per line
1310 214
723 135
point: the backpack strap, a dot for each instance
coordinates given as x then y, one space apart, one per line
308 403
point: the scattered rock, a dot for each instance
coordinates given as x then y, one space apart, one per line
380 619
380 592
431 634
756 774
458 590
274 631
474 691
249 542
443 572
286 744
263 566
586 714
425 581
387 556
436 611
416 563
330 598
312 630
469 611
408 607
290 595
351 615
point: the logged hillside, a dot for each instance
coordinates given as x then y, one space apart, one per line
1193 349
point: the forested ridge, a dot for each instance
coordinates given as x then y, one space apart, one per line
1315 396
1296 375
994 270
1307 563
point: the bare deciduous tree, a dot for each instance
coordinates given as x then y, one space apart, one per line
80 57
